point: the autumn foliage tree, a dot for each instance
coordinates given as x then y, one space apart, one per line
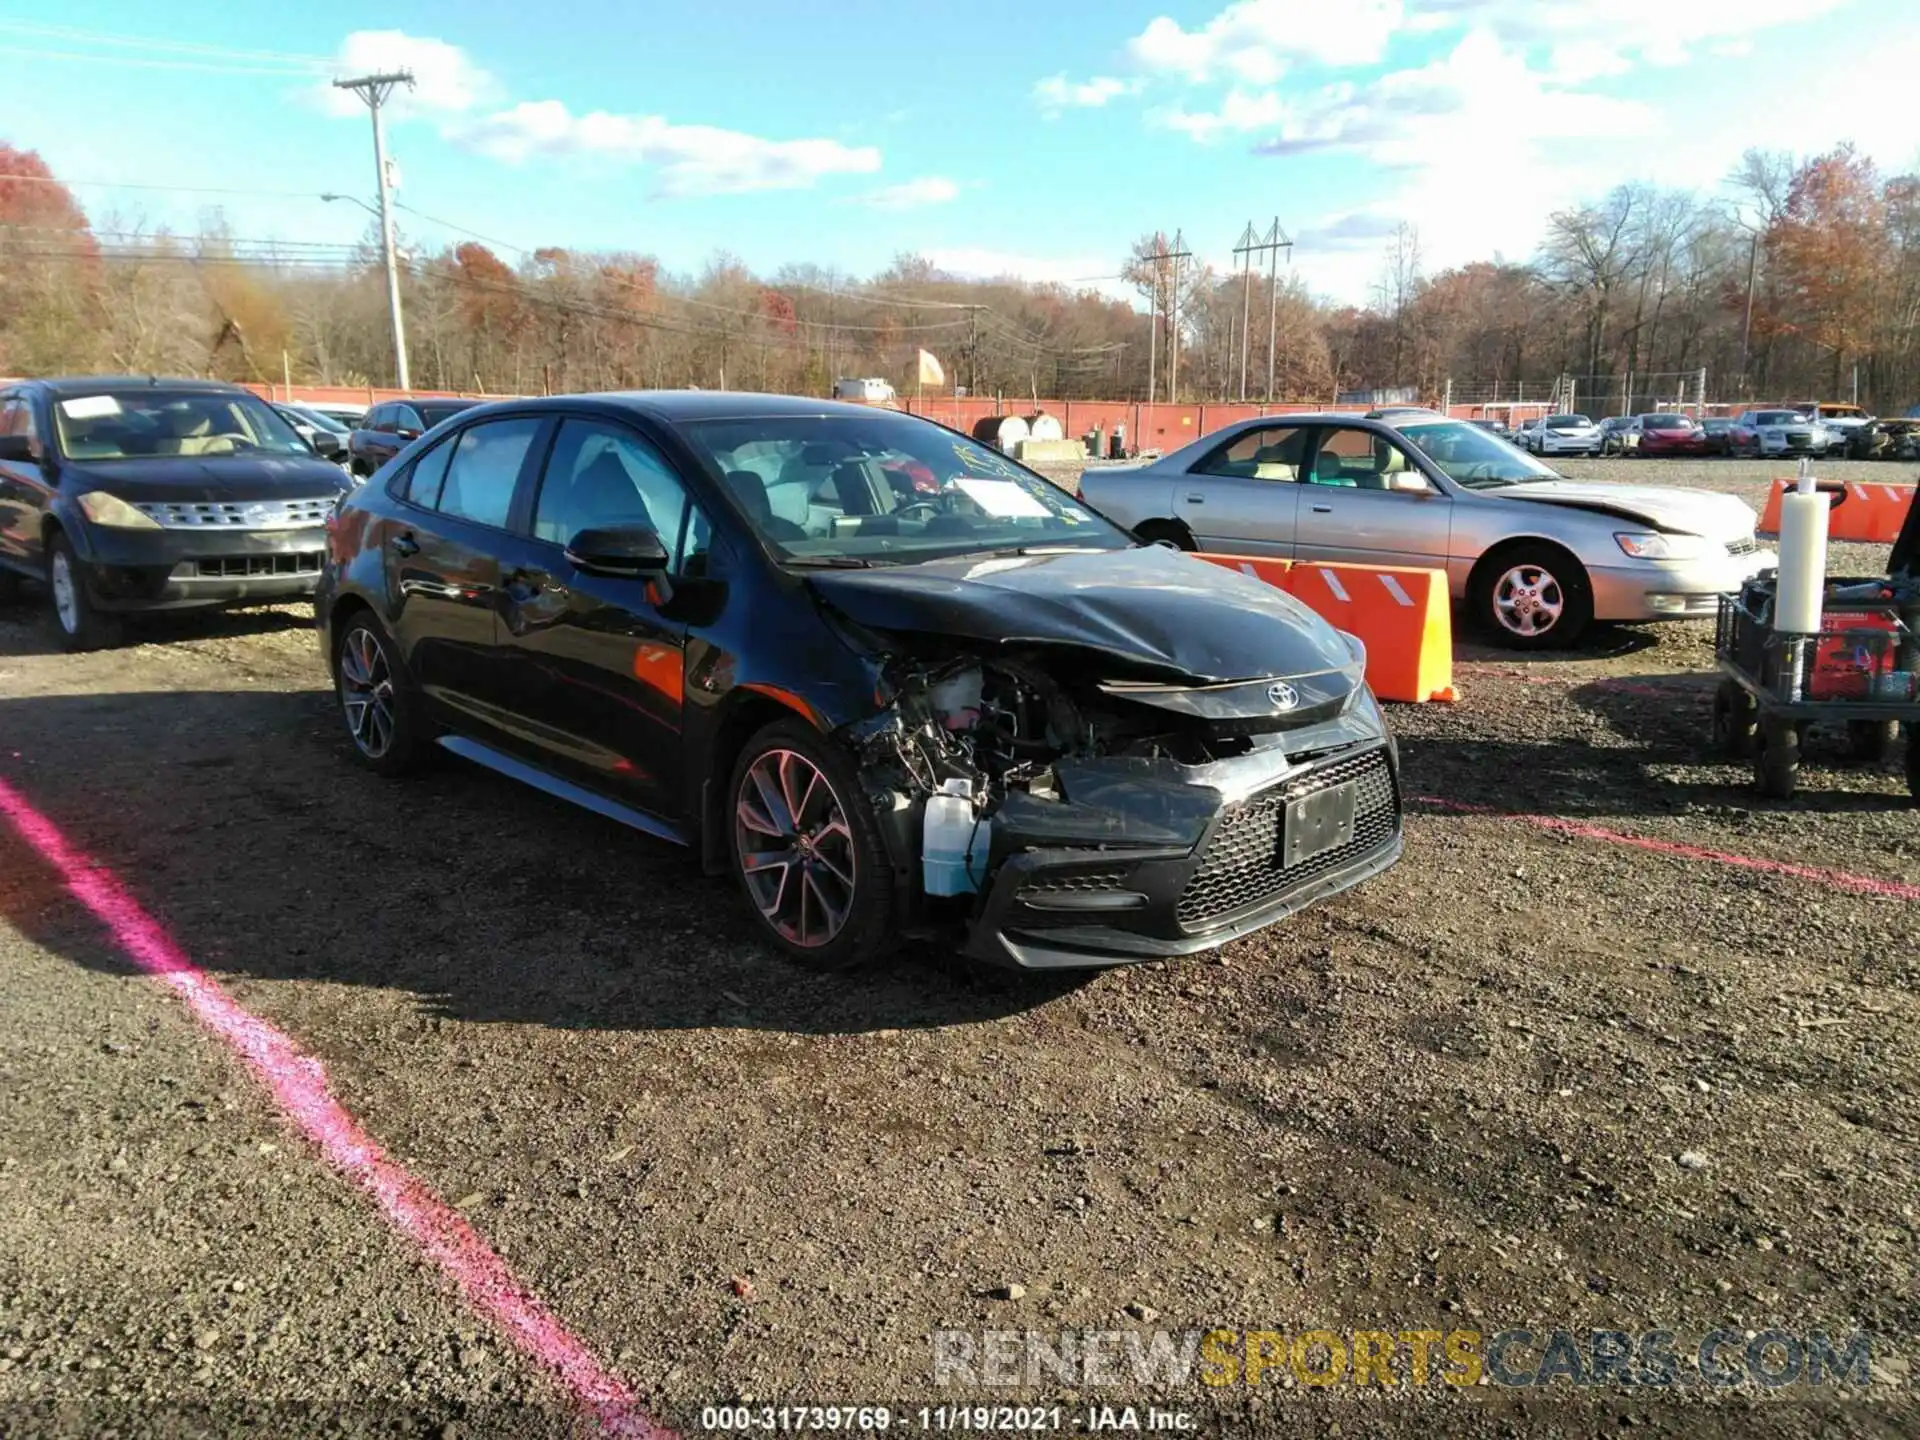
1829 252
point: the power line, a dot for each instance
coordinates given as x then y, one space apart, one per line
146 42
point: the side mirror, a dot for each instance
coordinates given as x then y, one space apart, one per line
325 444
17 449
623 552
1410 482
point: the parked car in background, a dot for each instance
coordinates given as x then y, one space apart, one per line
1522 434
1762 433
1620 435
389 427
1839 420
326 435
1889 438
1494 427
1566 435
1716 434
347 412
1670 433
1534 556
128 494
986 713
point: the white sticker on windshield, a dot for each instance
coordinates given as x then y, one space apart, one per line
89 407
1001 499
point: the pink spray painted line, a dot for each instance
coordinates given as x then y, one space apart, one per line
1833 879
299 1084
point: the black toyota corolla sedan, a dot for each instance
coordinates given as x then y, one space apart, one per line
127 494
896 683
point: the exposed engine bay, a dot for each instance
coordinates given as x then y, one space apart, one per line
970 747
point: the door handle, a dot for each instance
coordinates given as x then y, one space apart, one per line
1323 509
525 584
1195 498
405 544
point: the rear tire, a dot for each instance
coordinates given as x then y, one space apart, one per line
76 620
1776 759
806 850
1734 717
1868 741
1165 532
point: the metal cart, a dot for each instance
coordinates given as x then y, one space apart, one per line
1861 671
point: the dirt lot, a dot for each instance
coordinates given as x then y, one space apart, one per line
1457 1098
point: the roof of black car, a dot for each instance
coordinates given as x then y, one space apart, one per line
94 384
681 405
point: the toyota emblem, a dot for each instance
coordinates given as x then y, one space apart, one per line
1283 695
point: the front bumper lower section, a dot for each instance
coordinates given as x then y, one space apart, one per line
132 570
1141 860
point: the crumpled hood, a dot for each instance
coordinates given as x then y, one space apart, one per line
1156 611
210 477
1693 512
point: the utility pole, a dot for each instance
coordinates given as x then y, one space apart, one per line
1173 319
1746 325
1252 243
973 350
374 90
1245 251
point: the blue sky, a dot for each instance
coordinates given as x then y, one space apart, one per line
1037 139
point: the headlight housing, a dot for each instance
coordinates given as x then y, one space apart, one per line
110 510
1648 546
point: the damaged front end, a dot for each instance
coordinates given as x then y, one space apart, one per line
1056 811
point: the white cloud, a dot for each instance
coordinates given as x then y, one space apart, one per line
1614 35
445 78
690 159
911 194
1057 93
1256 40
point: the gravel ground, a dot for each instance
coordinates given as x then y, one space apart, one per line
1455 1098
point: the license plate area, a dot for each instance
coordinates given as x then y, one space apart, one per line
1318 823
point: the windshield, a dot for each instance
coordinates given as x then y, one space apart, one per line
1472 457
321 419
888 489
1567 422
434 412
1778 417
150 421
1667 422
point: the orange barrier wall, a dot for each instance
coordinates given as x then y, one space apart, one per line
1866 512
1402 615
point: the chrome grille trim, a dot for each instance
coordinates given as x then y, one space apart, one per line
303 514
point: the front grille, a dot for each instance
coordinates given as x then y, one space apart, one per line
1745 546
1084 882
255 567
238 514
1241 869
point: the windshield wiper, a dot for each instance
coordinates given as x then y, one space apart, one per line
831 562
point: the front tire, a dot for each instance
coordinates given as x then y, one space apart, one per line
1776 759
1734 718
1532 597
806 849
79 623
377 699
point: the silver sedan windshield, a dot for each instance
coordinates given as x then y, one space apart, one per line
1472 457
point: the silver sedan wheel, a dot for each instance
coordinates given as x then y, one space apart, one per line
66 596
1528 601
796 850
366 692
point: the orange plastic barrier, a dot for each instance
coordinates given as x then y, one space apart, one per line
1403 616
1866 512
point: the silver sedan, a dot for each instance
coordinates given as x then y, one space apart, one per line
1535 557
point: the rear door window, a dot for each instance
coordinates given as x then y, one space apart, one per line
483 469
1270 453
